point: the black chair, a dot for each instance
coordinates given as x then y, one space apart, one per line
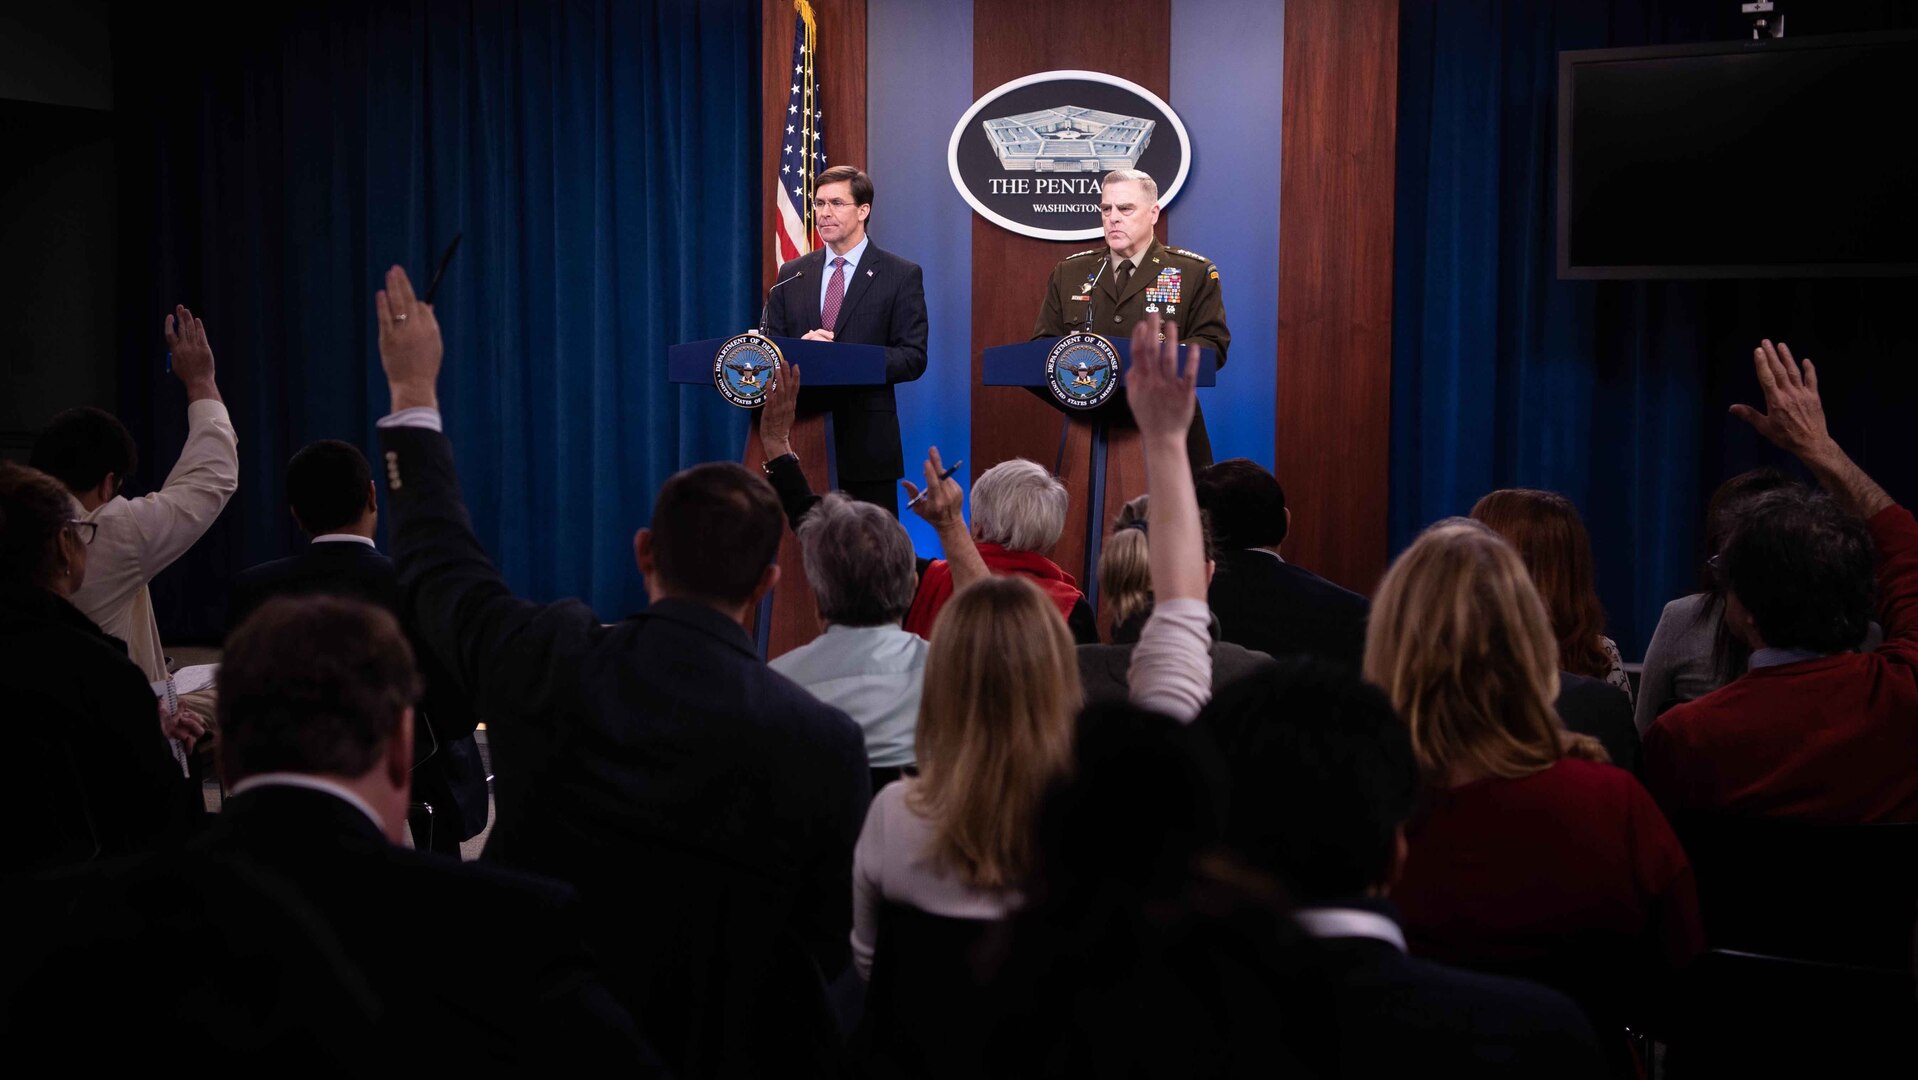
1757 1015
927 1012
1836 894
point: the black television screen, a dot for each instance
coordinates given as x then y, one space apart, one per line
1786 158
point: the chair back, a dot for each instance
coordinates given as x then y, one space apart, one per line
1840 894
1758 1015
927 1012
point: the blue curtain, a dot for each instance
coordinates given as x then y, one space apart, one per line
601 159
1614 393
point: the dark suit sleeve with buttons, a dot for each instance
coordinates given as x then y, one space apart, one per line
906 337
518 657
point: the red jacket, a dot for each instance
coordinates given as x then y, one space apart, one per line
1831 740
935 585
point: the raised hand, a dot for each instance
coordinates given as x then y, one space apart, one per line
192 356
1162 397
944 500
410 346
776 415
1794 416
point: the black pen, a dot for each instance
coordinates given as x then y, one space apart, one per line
944 476
434 288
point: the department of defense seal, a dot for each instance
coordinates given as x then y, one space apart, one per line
1082 371
745 368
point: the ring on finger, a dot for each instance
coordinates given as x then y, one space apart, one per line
401 317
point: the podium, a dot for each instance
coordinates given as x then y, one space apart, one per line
1099 459
788 617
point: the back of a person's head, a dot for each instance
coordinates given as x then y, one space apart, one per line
1125 562
1733 498
326 485
1017 504
1322 777
313 684
34 507
716 528
79 447
1461 644
1550 537
1804 568
995 725
859 562
1245 503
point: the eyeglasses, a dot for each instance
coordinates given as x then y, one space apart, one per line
835 204
1716 564
83 529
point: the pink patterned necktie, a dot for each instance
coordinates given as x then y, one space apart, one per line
835 295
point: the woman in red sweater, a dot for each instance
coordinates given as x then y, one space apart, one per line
1529 854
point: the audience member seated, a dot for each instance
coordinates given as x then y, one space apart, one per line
1692 651
859 563
704 805
1263 602
1813 731
316 729
1018 512
1548 534
1125 592
1595 707
96 776
1528 855
331 495
92 454
1322 781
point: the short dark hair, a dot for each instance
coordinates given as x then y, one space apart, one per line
313 684
1322 776
846 174
1245 503
326 485
1804 569
33 510
716 527
79 447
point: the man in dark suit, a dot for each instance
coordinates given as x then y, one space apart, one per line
1322 778
297 931
330 492
1263 602
851 291
704 805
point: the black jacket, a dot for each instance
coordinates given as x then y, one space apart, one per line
1595 707
704 805
885 304
1281 610
453 779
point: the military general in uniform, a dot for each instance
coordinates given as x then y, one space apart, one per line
1109 289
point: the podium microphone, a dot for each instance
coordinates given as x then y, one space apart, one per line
767 307
1092 292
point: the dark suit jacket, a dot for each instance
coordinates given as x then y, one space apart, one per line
1595 707
1104 670
299 890
1281 610
1397 1015
704 805
885 304
94 774
453 779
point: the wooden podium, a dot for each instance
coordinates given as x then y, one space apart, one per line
1099 458
787 616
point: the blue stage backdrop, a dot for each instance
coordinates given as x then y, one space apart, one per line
601 160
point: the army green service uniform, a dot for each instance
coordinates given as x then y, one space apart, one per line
1182 286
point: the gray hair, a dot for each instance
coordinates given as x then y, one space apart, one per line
1137 176
1019 505
859 562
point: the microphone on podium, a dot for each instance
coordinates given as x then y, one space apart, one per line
767 307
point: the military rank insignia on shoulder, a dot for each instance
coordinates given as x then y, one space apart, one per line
1083 254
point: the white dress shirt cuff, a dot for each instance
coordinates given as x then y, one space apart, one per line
421 416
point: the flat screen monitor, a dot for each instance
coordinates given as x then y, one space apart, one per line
1774 158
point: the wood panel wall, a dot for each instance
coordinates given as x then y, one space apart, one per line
1335 283
1127 38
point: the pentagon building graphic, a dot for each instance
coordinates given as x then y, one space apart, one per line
1068 139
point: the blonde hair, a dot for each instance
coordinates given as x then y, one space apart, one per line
995 729
1460 642
1125 565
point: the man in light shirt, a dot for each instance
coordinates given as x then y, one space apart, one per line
90 452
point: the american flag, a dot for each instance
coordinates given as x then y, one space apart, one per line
802 156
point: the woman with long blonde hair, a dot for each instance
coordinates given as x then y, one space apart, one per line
1528 853
995 730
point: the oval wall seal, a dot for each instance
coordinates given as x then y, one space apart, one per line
1030 154
1082 371
745 368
